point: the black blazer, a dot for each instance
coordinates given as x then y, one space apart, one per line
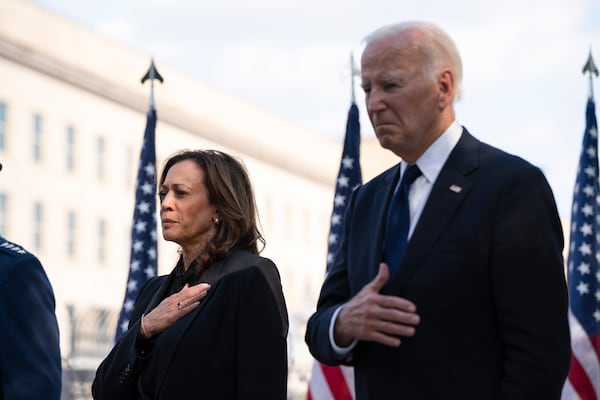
484 267
233 346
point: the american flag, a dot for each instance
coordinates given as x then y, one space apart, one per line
143 259
337 383
583 270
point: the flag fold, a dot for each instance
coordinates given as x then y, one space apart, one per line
337 383
583 273
144 253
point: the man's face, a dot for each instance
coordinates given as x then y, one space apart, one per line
401 96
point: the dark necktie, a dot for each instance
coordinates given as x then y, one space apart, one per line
398 220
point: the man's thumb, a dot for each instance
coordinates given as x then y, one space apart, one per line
382 277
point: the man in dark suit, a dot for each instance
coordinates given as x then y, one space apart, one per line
477 305
30 364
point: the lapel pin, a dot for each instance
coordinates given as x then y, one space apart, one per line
455 188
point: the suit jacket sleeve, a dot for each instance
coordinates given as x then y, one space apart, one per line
30 363
116 377
529 289
334 292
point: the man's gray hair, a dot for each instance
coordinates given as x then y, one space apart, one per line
436 47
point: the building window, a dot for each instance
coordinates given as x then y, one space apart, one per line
70 160
129 168
101 240
100 164
2 126
37 137
38 220
71 234
3 214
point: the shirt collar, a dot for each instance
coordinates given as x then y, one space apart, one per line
433 159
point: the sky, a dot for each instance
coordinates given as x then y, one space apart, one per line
524 90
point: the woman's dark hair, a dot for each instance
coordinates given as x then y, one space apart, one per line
230 191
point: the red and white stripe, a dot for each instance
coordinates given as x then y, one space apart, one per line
331 383
584 376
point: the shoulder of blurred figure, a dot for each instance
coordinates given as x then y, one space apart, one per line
12 251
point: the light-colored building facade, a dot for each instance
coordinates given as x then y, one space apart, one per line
72 117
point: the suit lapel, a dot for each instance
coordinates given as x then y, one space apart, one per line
379 202
160 294
449 190
216 271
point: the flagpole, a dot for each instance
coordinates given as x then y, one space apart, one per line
143 263
354 71
583 267
337 382
591 69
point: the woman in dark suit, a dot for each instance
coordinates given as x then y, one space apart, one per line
216 326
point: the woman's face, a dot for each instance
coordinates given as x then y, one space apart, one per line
185 210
